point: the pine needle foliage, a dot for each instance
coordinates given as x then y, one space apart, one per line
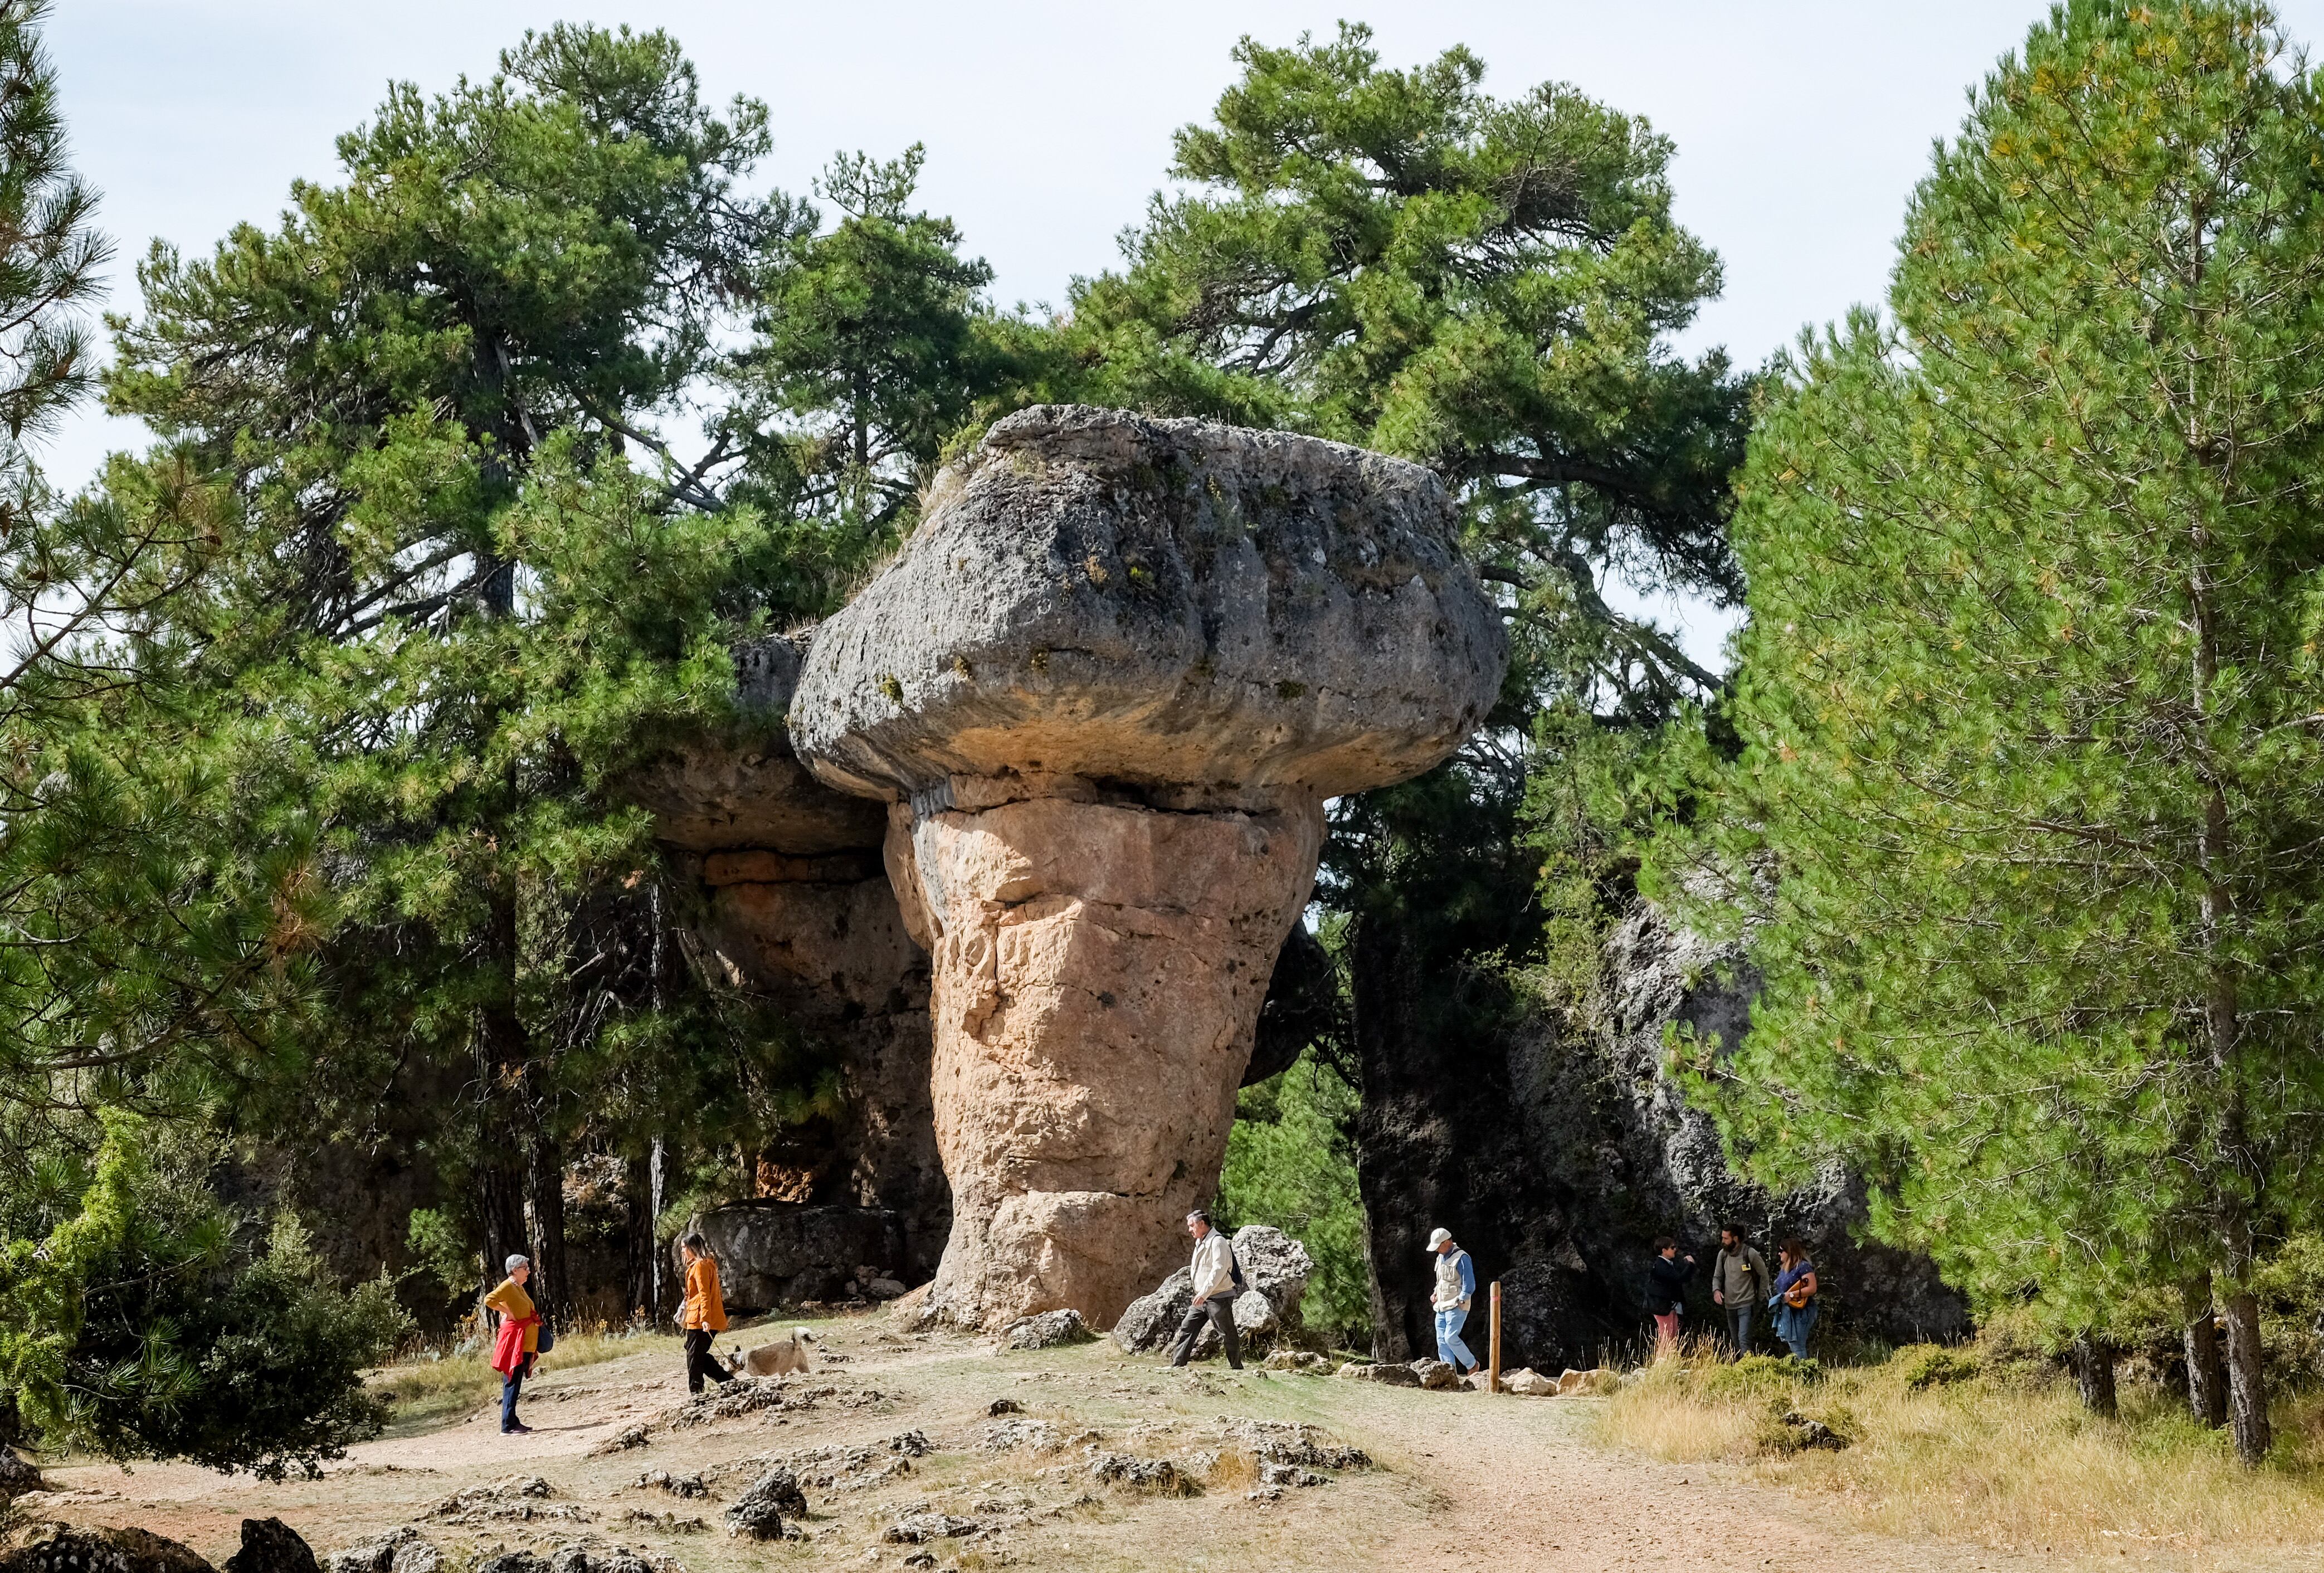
2033 694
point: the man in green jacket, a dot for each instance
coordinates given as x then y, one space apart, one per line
1739 1281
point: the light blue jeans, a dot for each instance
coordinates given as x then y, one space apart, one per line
1449 1346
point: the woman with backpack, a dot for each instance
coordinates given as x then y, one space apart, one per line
1794 1300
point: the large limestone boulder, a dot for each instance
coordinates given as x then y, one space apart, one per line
1106 689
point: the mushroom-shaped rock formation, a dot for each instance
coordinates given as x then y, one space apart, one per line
797 906
1105 690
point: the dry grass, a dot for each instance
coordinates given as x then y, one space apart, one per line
1997 1451
435 1386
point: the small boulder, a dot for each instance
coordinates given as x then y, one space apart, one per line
758 1514
1527 1382
1275 1265
270 1546
1156 1476
77 1549
1436 1376
1302 1360
16 1475
402 1550
1152 1321
1280 1475
1050 1330
885 1288
916 1529
1000 1406
1595 1382
1387 1372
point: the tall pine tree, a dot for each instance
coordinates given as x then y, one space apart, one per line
2034 691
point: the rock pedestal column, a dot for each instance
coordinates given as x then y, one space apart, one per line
1106 688
1098 973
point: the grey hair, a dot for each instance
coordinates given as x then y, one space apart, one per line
513 1262
1198 1216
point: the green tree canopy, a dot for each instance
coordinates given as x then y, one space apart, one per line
2032 690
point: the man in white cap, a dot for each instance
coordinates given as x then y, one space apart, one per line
1456 1285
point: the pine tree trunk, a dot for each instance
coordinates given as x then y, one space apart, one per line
637 1238
2207 1379
2247 1419
501 1124
552 1285
2093 1363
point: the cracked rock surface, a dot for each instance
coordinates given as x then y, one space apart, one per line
1106 689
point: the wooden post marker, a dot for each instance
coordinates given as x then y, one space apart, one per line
1493 1380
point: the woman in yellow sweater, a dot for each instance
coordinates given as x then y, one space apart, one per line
518 1342
704 1313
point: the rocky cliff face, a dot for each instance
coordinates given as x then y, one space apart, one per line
1557 1150
1106 688
798 907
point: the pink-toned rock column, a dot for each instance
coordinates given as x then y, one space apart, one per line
1099 969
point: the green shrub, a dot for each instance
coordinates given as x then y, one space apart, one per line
1757 1376
147 1323
1926 1365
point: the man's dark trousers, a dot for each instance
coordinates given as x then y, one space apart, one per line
1218 1311
1738 1328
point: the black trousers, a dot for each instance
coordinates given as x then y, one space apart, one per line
699 1362
1218 1311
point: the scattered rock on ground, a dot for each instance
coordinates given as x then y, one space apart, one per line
1436 1376
1596 1381
688 1486
1152 1321
1158 1476
1000 1406
1527 1382
270 1546
1387 1372
1297 1360
1278 1474
16 1477
620 1442
1012 1435
915 1528
1812 1433
1050 1330
77 1548
402 1550
758 1515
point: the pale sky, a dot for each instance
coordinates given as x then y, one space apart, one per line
1801 125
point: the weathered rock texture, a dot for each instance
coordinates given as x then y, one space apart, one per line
1556 1150
774 1253
1106 689
798 907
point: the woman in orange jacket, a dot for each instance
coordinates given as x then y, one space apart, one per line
704 1315
518 1342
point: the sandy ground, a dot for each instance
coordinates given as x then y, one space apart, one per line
1461 1480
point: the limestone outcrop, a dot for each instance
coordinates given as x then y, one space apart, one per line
797 906
1105 690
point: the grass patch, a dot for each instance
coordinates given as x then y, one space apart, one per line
435 1387
1942 1443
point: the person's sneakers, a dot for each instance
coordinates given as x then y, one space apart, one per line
520 1429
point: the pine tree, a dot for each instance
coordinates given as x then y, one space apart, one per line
2031 692
466 583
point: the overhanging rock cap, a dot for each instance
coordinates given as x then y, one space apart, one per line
1159 604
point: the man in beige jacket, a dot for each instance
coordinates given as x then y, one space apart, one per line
1213 1268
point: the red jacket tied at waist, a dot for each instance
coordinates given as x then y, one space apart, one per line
508 1348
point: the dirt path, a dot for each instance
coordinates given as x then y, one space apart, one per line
1464 1480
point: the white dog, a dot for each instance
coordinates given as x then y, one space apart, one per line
784 1357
